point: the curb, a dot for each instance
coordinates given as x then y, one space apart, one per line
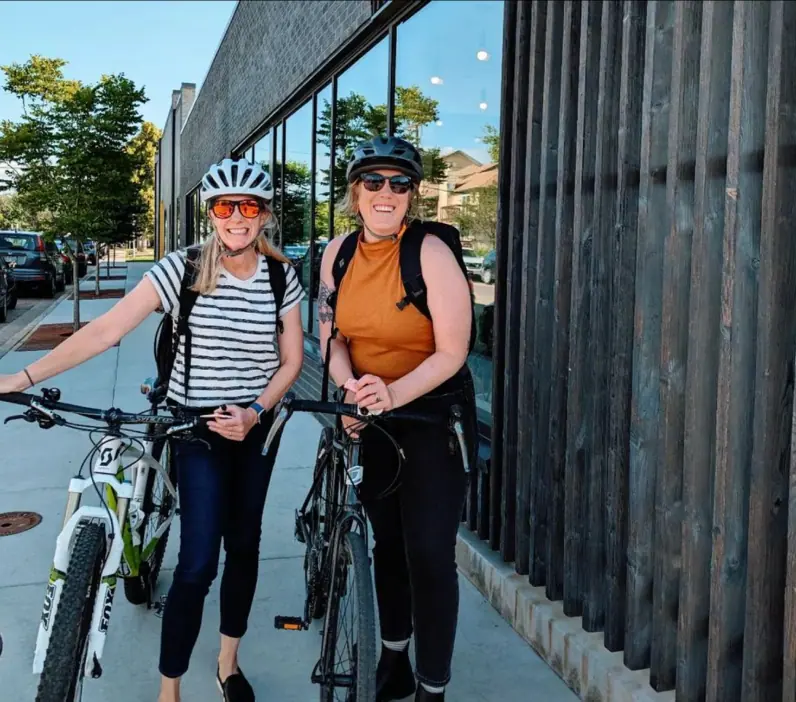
16 340
579 658
19 338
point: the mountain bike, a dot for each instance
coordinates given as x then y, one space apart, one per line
125 536
332 525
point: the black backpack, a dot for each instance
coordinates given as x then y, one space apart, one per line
168 334
411 271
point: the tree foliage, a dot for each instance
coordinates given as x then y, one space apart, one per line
357 120
142 148
71 154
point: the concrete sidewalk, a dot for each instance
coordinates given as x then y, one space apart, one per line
491 662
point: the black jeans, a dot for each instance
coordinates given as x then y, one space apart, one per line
415 527
222 491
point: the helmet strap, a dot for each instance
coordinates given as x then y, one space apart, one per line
226 252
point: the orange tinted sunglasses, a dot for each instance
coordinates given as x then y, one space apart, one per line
223 209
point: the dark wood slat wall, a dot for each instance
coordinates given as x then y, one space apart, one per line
703 348
605 169
653 222
579 375
489 484
527 18
540 300
562 299
504 500
684 98
623 301
647 314
774 375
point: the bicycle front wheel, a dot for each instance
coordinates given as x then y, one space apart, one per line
62 675
349 646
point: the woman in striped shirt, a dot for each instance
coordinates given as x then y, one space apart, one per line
239 369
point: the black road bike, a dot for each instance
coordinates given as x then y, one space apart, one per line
332 525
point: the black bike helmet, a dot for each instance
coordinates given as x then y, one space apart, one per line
385 152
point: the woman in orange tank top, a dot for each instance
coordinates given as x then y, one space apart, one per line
390 355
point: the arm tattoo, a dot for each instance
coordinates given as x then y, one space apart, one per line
325 313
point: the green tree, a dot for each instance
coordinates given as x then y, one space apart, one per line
491 139
357 120
143 147
13 215
69 154
294 179
476 218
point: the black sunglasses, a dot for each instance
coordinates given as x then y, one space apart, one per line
374 182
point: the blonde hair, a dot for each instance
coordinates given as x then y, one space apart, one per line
209 262
349 205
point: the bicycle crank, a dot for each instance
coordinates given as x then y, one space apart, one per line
290 623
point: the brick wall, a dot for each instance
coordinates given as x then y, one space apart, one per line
269 49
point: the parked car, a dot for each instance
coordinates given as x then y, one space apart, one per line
473 262
37 263
79 251
91 252
8 288
488 267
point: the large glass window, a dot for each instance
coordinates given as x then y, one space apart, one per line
262 152
297 179
276 177
447 101
360 113
311 263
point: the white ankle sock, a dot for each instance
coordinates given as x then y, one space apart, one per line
435 690
396 645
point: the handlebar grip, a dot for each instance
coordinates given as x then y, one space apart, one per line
18 398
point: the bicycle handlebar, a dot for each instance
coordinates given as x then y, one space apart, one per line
290 404
43 408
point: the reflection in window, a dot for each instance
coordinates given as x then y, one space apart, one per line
262 152
447 102
360 113
276 177
297 179
311 263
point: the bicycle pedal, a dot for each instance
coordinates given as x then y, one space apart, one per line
289 623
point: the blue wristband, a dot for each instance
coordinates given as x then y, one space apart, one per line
258 408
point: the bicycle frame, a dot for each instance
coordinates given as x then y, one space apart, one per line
121 518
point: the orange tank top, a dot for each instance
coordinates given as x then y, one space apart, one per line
382 340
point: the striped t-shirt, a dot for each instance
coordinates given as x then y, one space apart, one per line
234 350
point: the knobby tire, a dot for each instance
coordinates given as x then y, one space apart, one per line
64 664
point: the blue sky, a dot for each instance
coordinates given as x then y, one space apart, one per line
158 45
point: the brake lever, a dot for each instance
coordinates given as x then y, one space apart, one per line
25 416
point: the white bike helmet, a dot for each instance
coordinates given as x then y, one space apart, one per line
236 178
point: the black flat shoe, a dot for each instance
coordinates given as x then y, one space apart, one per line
394 676
235 688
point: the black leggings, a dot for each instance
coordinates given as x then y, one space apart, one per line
415 528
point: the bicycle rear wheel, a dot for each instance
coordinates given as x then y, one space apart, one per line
64 666
348 664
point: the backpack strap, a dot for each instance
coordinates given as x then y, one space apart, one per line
345 253
187 300
411 271
278 279
348 247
